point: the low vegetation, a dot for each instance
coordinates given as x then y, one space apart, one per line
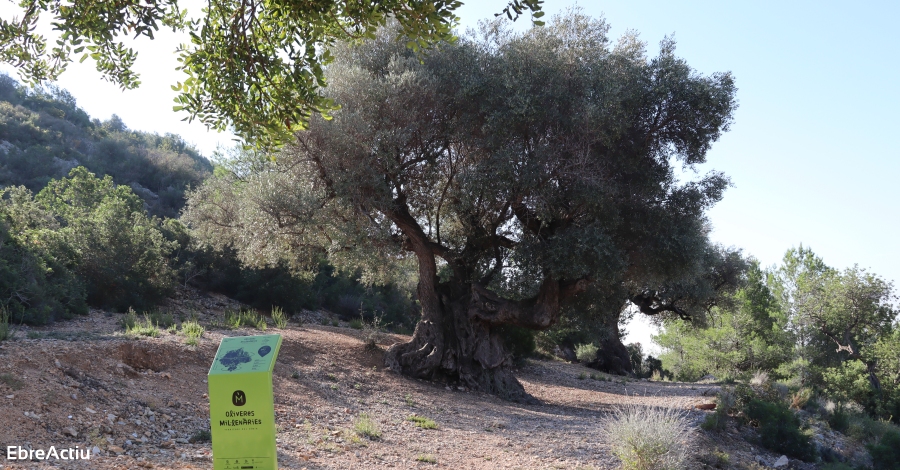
366 427
648 438
422 422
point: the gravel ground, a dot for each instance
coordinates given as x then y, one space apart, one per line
139 403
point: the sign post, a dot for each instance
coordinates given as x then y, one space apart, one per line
241 403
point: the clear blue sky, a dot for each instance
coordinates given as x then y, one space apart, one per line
810 152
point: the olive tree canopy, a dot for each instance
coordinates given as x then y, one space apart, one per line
522 172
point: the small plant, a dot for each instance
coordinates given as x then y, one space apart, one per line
582 376
426 458
295 375
193 331
233 319
725 402
279 318
779 429
886 454
331 377
356 324
409 400
141 328
760 378
161 319
11 381
249 317
5 332
646 438
129 320
800 398
366 427
586 352
422 422
200 436
373 332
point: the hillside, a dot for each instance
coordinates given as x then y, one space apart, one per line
44 134
142 403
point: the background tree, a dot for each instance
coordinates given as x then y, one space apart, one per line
847 311
518 171
254 65
736 338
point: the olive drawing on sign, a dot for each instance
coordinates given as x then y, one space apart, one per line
234 358
264 350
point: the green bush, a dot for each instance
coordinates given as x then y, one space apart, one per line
5 332
37 285
886 454
586 352
725 402
121 253
779 429
423 422
518 341
366 427
143 328
279 317
193 331
839 420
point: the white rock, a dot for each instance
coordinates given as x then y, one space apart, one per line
781 462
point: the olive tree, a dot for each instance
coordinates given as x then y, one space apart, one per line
523 173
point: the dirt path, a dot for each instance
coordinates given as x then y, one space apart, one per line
139 402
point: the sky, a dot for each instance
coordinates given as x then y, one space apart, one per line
810 153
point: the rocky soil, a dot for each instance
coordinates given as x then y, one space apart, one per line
142 403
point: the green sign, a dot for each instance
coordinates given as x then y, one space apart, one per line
241 405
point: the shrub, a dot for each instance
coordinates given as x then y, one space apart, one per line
725 402
864 428
800 398
366 427
886 454
779 429
10 381
279 318
129 320
233 319
422 422
646 438
586 352
161 319
518 341
5 332
143 328
200 436
37 284
760 378
426 458
839 420
111 243
193 331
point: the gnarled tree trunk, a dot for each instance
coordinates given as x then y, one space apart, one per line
458 337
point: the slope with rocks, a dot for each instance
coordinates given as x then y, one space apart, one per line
142 402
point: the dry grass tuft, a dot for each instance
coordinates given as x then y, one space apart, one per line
648 438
